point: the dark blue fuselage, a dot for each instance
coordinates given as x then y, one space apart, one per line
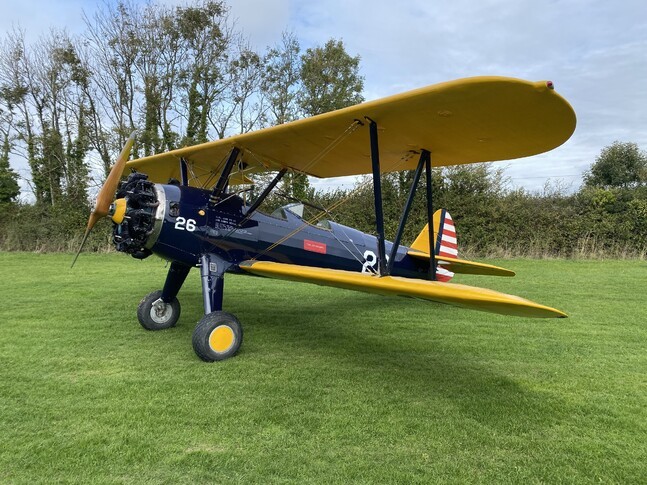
189 225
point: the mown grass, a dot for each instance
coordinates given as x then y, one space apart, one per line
330 386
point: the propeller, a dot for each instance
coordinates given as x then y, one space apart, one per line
107 192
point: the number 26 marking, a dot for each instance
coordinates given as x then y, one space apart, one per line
182 224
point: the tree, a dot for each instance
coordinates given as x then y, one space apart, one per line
622 164
45 94
330 79
206 38
281 82
180 74
241 107
9 188
16 88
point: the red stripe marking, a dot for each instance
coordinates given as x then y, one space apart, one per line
443 271
447 255
314 246
445 244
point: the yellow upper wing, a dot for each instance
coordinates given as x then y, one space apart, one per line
453 294
464 121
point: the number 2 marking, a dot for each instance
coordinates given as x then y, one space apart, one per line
370 260
182 224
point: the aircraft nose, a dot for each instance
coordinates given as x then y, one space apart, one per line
137 214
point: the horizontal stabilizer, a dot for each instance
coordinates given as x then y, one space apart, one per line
462 266
449 293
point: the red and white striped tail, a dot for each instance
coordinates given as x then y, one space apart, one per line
446 245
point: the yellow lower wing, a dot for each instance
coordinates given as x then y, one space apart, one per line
464 267
449 293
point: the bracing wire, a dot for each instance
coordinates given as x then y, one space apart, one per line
332 145
328 210
345 134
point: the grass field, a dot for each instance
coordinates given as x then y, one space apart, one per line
330 386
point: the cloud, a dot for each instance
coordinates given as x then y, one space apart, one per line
262 21
37 17
594 50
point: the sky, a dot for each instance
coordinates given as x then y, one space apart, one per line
595 51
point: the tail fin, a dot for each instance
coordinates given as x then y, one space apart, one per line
446 251
446 245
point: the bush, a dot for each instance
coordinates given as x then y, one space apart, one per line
46 228
491 220
494 221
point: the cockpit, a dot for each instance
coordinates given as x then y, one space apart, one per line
296 209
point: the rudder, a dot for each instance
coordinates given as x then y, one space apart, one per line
445 239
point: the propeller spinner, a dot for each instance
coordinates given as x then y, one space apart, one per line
107 192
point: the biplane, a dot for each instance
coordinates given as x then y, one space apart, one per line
186 205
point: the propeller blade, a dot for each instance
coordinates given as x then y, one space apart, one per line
107 192
85 238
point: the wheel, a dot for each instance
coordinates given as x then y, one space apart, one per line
154 314
217 336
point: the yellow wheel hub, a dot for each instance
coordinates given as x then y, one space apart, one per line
221 339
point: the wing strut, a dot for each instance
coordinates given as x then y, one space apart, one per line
430 215
264 194
184 175
424 162
406 210
377 194
252 208
222 183
384 268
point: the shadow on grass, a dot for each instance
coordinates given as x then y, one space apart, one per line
389 348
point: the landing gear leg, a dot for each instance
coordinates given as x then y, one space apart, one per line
161 309
218 335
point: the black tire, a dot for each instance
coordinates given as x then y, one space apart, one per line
217 336
156 317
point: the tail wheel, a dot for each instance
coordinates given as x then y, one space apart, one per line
217 336
155 314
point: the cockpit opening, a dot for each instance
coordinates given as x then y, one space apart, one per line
295 208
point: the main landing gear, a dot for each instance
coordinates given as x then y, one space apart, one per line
218 335
155 314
